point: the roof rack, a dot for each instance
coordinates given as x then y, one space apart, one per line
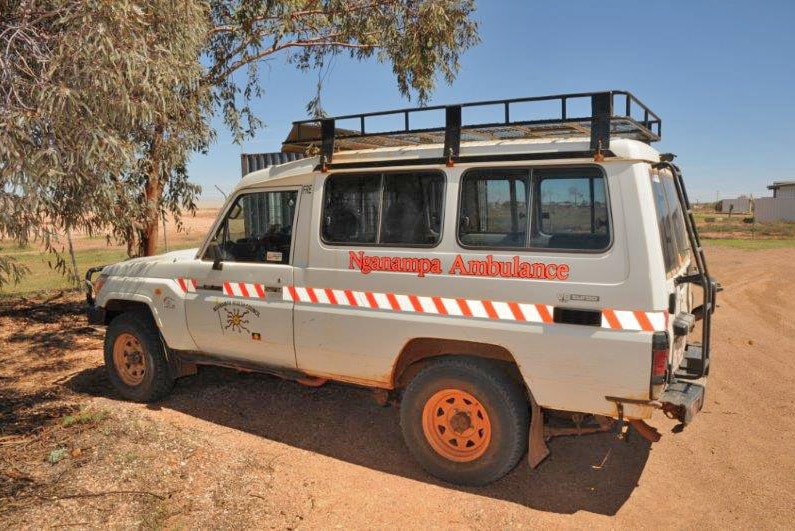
606 119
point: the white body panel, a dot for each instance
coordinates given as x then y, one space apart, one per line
566 366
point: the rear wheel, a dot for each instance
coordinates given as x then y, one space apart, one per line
465 420
135 358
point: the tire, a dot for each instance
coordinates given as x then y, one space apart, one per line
491 435
134 338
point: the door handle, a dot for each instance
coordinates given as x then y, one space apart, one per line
213 287
210 287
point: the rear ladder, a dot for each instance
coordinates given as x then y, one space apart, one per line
697 364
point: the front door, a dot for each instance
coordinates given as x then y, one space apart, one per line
235 307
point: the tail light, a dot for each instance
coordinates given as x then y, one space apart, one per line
660 347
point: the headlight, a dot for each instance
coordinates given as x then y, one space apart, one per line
98 284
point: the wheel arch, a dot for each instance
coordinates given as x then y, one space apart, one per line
417 352
115 307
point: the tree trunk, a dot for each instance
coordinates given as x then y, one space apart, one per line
152 191
150 228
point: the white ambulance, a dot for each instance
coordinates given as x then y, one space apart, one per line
479 265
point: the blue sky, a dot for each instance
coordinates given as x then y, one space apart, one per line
721 74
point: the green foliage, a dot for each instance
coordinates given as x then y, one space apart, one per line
85 416
420 39
750 245
56 455
102 102
88 89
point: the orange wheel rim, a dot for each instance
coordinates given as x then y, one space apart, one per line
129 359
456 425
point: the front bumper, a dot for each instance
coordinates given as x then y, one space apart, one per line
89 285
96 315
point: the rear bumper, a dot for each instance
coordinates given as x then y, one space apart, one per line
682 400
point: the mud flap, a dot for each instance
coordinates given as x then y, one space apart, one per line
537 447
178 366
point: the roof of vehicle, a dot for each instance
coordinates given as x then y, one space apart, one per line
622 149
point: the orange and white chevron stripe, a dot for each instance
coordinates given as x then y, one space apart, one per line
188 285
421 304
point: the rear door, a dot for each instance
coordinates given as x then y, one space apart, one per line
675 249
235 307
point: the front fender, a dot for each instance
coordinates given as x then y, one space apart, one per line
164 298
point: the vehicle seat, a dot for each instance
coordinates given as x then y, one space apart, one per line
341 226
404 223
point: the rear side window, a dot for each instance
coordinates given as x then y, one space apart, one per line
494 208
670 219
389 209
571 210
563 208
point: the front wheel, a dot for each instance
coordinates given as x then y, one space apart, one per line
465 420
135 358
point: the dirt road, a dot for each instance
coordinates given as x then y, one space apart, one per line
244 450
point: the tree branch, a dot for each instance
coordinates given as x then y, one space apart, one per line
320 42
306 13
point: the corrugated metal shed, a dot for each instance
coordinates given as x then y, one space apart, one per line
767 209
250 162
783 189
740 204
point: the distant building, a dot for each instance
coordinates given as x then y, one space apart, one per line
783 189
735 206
780 207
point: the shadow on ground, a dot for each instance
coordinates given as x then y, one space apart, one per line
345 423
50 327
36 338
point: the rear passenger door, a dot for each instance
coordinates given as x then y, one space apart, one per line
339 331
234 307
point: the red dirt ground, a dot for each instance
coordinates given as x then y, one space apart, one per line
244 450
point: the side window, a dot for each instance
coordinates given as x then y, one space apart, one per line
670 219
677 218
350 208
494 209
564 208
571 210
257 228
383 209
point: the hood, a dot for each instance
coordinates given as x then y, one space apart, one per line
178 256
126 266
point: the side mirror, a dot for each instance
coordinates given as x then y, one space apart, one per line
234 213
214 253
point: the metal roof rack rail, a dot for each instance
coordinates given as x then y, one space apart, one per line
608 118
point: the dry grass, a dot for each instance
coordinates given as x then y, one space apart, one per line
720 226
92 251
